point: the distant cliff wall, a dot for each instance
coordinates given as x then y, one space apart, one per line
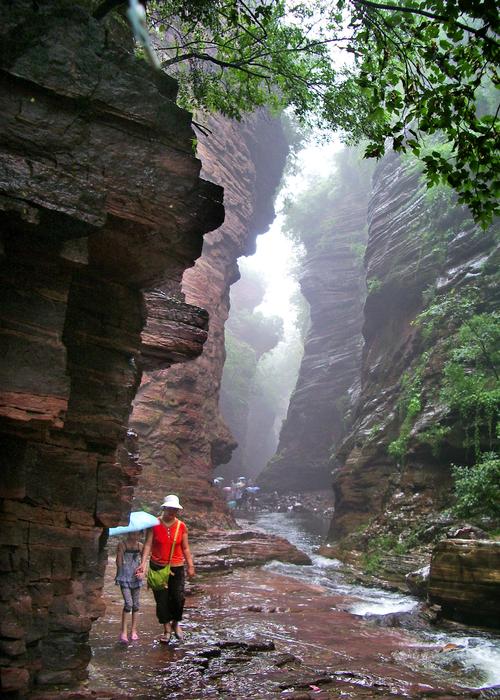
182 436
395 466
332 281
370 404
100 198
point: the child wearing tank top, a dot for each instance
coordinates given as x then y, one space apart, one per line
128 558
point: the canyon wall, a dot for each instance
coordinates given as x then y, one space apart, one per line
375 401
182 436
332 281
100 199
394 470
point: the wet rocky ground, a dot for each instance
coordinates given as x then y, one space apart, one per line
252 633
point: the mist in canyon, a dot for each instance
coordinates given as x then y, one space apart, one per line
268 322
270 316
182 302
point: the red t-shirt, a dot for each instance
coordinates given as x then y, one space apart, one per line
163 536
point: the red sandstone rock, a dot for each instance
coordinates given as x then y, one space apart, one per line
100 198
219 549
13 679
464 580
182 436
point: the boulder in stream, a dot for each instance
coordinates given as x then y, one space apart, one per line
465 581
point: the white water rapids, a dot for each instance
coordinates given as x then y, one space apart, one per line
474 661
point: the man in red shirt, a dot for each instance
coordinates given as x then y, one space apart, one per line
168 543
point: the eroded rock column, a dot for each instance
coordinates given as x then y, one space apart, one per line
100 198
182 436
333 283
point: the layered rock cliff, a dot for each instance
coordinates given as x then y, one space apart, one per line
464 580
332 281
423 395
395 473
182 436
100 198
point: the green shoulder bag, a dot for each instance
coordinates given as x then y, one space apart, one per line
159 578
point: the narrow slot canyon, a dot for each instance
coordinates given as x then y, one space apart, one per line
203 299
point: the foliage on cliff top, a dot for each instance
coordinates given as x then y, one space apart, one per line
414 68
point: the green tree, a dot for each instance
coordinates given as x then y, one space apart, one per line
477 488
261 333
239 370
415 69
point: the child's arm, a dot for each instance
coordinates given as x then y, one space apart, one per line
119 556
140 547
146 553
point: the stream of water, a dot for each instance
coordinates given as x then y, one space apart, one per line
221 610
475 662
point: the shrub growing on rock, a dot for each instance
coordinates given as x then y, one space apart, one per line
477 488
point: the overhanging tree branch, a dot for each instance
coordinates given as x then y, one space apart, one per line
241 66
425 13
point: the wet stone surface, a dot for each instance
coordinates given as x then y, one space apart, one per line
283 631
256 634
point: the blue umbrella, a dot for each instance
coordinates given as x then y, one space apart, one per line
139 520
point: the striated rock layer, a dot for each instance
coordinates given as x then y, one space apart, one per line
332 281
418 245
100 198
182 436
464 580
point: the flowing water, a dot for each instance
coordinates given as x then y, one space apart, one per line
475 662
324 620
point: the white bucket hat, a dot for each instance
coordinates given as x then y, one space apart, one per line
172 501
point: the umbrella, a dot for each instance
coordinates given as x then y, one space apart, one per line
139 520
253 489
226 488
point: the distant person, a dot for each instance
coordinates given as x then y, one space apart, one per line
168 543
128 559
245 495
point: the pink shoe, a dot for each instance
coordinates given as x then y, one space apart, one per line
134 636
123 639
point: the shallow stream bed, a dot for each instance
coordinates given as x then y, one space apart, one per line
289 631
